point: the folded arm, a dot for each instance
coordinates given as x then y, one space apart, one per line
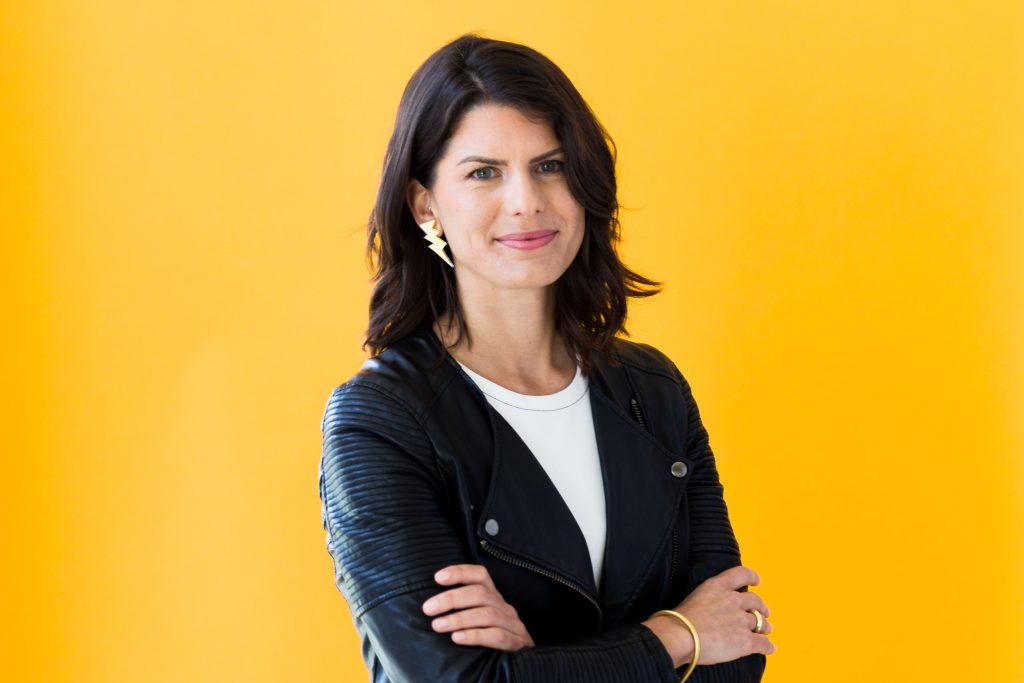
388 532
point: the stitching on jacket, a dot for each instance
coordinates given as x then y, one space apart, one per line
669 455
626 365
637 393
401 590
440 390
629 641
657 556
435 461
394 397
661 370
677 379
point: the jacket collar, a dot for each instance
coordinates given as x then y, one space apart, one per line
533 522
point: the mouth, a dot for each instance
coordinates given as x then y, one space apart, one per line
528 240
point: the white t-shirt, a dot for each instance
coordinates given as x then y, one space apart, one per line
558 428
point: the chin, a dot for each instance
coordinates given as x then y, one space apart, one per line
533 280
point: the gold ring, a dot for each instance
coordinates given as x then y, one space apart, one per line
759 618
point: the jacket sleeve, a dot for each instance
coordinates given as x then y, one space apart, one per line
713 545
389 530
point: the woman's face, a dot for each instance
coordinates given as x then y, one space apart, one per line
502 175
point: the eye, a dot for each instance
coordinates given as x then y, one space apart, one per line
557 162
475 172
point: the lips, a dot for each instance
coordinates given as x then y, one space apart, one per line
527 240
523 236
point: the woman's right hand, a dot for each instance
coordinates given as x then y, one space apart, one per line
719 613
481 616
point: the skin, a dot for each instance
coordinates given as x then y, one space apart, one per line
506 294
507 297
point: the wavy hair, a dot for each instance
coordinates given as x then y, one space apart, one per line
412 286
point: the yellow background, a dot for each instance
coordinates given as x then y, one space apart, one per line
832 191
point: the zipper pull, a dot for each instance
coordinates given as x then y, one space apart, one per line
637 415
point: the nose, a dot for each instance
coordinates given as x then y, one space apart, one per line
524 195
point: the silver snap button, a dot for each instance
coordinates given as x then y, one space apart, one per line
491 527
679 469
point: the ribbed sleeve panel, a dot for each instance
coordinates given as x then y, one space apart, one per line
710 531
749 669
381 498
628 653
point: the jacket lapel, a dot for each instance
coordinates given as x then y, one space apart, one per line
525 515
642 498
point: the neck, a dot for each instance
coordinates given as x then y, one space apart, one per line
514 341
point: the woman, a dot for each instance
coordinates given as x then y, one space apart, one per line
510 491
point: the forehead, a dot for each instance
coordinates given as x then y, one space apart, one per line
499 131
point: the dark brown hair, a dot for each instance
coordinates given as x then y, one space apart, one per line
412 285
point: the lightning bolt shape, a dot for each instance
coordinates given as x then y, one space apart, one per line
437 245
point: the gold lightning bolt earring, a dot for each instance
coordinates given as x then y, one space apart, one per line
432 233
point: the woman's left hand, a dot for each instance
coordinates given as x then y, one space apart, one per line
483 616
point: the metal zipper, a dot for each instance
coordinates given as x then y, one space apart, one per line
675 552
501 555
638 416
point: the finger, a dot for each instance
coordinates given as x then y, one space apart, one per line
763 645
750 623
462 597
739 576
477 617
751 601
496 638
464 573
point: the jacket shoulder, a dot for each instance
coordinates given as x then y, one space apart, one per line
411 373
646 357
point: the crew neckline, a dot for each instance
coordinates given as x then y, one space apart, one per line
563 398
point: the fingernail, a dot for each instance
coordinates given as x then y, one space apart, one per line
430 605
442 575
459 636
440 623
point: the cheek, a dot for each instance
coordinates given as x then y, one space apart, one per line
468 216
464 238
575 217
571 209
580 223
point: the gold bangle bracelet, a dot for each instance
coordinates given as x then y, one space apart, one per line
693 632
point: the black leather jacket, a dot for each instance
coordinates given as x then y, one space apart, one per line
415 463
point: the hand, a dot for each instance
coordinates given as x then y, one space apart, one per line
719 613
483 616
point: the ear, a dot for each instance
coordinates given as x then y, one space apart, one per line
418 198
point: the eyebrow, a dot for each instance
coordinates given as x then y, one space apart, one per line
499 162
